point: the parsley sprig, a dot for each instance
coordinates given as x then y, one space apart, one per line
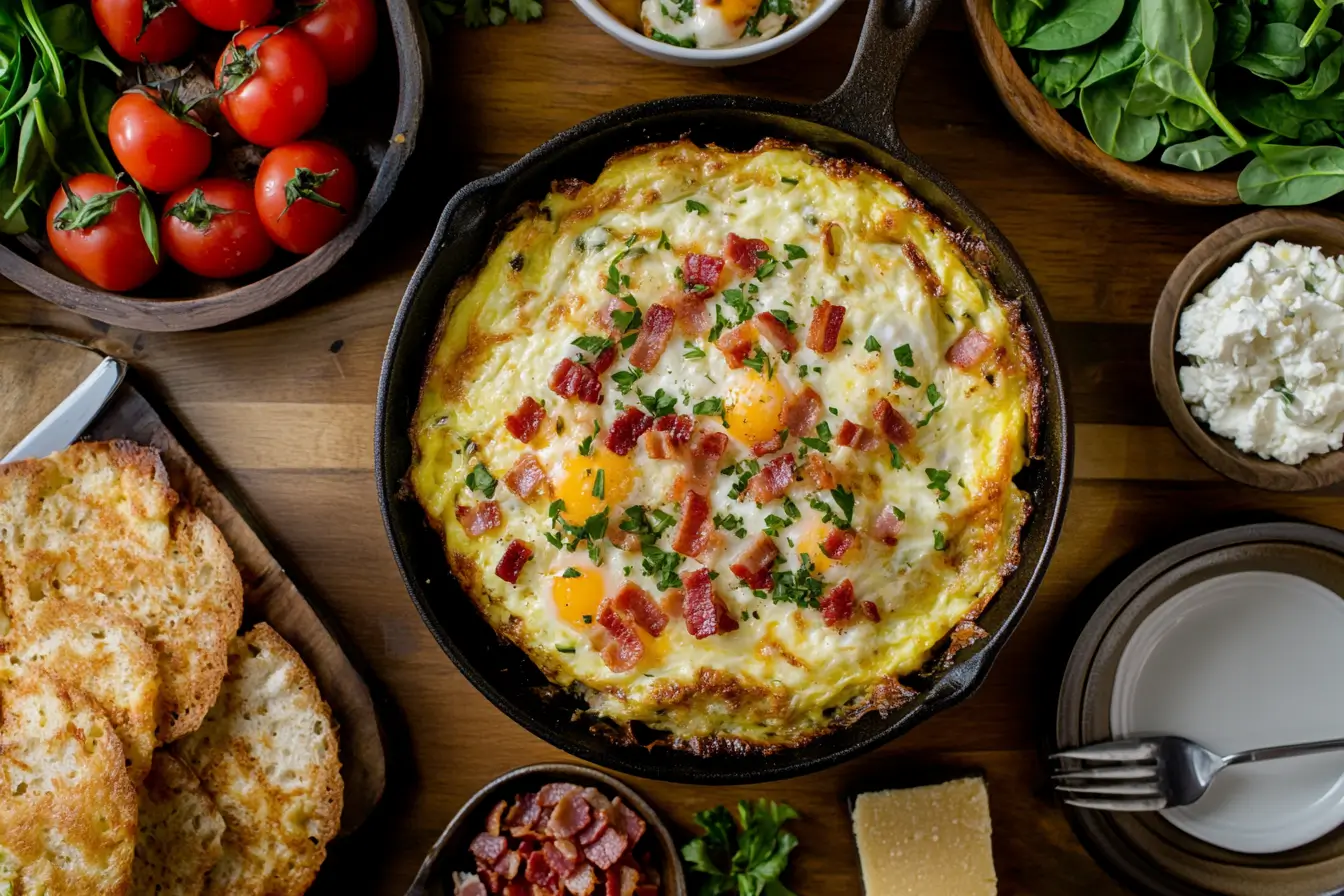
746 862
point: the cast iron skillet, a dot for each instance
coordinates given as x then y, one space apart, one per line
856 122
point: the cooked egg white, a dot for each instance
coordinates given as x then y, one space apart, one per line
783 675
719 23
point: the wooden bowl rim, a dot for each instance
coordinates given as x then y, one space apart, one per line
169 315
1057 136
1202 264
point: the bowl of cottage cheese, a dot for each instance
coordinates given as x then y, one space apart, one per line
1248 350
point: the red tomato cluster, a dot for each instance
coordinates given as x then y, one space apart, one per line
271 83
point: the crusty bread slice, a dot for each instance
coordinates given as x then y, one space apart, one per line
102 652
267 754
67 807
180 831
98 524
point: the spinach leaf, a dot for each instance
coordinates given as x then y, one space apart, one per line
1314 132
1324 78
1275 52
1058 75
1318 23
1169 133
1179 37
1292 175
1274 109
1201 154
1234 29
1290 11
1074 23
1188 116
1117 132
1014 18
1122 50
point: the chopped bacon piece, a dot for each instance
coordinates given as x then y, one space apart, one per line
607 850
561 862
693 531
635 601
769 446
887 528
894 426
626 541
692 310
658 445
776 332
860 438
571 815
837 542
626 429
605 358
653 337
511 564
488 847
702 270
678 427
605 319
508 865
627 820
469 885
837 605
594 830
623 884
550 793
524 422
970 349
527 478
703 465
803 411
582 882
754 563
773 480
624 651
571 380
743 252
517 888
870 610
820 471
710 446
523 814
736 343
824 333
539 871
704 611
495 818
479 519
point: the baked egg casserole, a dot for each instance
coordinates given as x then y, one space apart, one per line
726 441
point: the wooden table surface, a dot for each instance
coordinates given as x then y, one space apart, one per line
284 405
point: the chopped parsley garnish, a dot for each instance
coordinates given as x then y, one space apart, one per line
691 205
570 573
784 318
600 485
625 379
615 279
662 565
844 500
739 303
795 252
693 352
663 241
626 321
659 404
564 648
905 356
648 526
938 482
773 523
719 323
592 530
743 470
708 407
1280 386
786 356
593 345
801 586
686 42
936 400
779 7
821 441
586 446
768 261
789 180
905 379
480 480
872 344
900 514
791 508
897 462
939 541
730 523
587 620
760 362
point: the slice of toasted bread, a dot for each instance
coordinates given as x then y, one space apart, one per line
67 807
98 524
267 754
180 831
105 654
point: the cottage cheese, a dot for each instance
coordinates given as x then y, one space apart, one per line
1267 342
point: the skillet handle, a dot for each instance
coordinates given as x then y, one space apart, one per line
864 105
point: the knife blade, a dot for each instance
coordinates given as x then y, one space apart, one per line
73 415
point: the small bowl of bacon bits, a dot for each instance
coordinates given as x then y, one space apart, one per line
553 830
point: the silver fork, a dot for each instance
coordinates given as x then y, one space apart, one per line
1153 773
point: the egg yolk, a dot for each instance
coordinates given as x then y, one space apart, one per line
579 479
578 597
810 544
735 11
755 407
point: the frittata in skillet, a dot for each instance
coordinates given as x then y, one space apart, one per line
726 440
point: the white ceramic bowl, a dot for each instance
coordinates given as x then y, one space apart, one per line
717 57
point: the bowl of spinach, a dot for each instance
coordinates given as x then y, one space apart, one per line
1195 101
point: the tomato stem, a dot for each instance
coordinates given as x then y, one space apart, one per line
304 185
81 214
194 210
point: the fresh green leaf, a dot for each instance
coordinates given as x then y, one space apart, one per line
1116 132
1058 75
687 42
1234 30
659 404
1319 22
698 207
1073 23
1179 36
480 480
1275 51
904 355
1202 154
1122 48
708 407
1015 19
938 482
1324 77
1292 175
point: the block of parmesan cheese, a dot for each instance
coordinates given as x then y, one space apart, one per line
926 841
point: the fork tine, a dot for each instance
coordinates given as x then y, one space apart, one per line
1115 751
1113 788
1150 805
1108 772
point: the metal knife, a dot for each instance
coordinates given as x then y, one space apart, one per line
73 415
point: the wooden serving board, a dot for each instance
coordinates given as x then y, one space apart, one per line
37 370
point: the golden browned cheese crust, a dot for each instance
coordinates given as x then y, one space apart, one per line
97 524
581 270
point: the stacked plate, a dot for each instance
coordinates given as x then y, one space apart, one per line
1235 640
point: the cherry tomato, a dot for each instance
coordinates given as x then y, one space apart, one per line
157 141
274 85
345 34
212 228
169 34
97 232
230 15
305 194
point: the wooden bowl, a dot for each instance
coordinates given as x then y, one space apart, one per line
1062 140
360 119
450 852
1204 263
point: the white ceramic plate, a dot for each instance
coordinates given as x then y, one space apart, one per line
1245 660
